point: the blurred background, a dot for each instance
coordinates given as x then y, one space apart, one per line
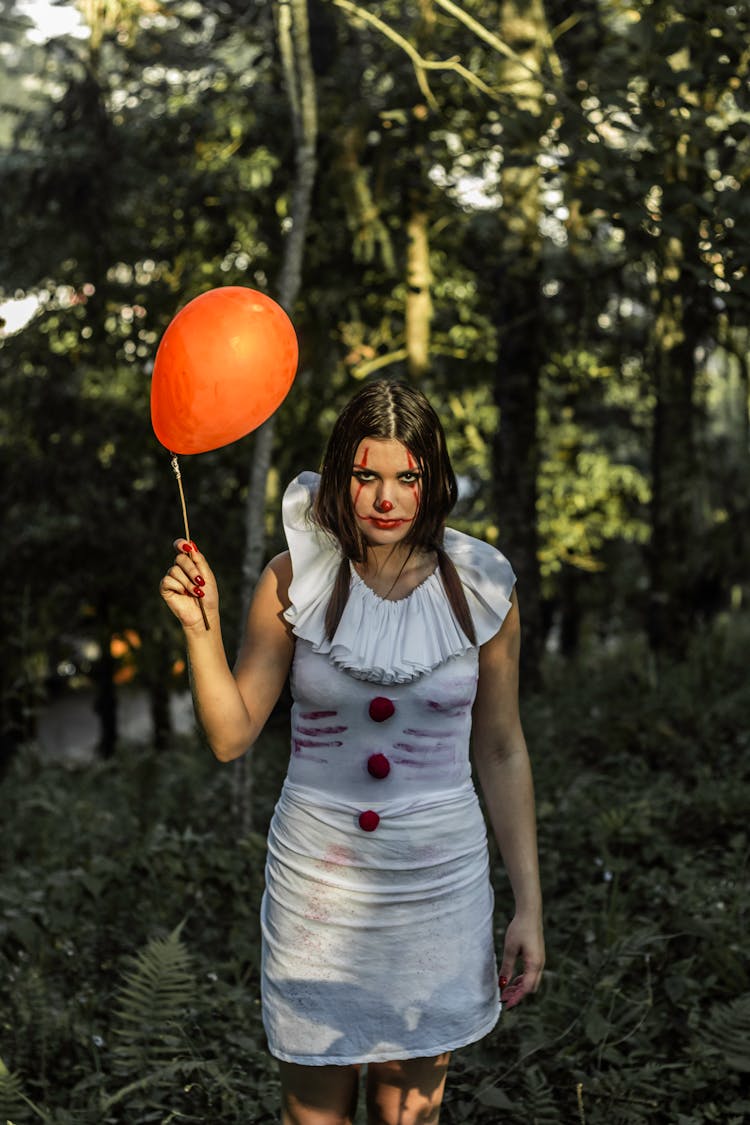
537 212
536 215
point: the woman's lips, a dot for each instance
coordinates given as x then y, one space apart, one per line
384 525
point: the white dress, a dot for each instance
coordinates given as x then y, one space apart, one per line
377 914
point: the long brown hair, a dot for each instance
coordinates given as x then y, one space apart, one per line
388 409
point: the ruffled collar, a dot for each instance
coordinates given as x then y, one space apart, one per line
388 642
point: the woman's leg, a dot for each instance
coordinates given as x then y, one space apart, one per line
318 1095
408 1092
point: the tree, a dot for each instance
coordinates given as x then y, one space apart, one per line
294 48
118 204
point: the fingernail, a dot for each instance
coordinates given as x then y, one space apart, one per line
187 548
199 581
503 982
197 591
193 546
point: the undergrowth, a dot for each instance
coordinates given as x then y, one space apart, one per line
129 934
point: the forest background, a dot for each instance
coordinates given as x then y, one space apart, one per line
538 213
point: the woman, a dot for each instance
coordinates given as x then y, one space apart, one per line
402 637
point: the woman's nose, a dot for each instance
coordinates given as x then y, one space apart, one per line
383 504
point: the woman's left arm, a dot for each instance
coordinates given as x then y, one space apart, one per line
504 771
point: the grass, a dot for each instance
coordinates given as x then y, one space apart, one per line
642 789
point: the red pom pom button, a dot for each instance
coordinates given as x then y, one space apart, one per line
368 821
378 766
381 709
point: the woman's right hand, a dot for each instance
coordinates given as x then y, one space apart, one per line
188 583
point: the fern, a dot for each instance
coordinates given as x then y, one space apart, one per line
13 1101
163 1077
158 987
540 1105
727 1029
11 1093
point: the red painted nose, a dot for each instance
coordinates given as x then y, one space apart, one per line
385 506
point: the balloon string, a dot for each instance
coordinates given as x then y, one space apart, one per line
178 475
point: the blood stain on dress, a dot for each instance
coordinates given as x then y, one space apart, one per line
453 709
300 742
321 730
439 746
337 855
431 733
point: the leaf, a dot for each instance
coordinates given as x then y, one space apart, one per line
13 1100
728 1031
596 1026
157 988
494 1096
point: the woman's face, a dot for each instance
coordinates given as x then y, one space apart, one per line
385 490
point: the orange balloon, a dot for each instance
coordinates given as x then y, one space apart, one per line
224 364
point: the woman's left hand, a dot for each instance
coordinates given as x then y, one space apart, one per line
524 940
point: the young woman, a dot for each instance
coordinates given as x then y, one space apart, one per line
402 638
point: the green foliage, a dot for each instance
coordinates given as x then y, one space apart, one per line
13 1102
157 165
110 1013
727 1030
156 990
154 160
100 994
592 487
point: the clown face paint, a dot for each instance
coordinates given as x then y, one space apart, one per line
385 490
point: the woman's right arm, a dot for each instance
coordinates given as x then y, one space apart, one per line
232 707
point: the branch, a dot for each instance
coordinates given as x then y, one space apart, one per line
362 370
501 46
286 50
366 366
419 63
494 41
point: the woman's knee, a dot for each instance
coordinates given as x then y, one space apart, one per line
406 1092
318 1095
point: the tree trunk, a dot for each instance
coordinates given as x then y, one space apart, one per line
518 318
680 322
158 686
105 693
294 46
673 459
19 693
516 455
418 297
570 610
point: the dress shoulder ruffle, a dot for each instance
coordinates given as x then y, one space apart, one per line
380 640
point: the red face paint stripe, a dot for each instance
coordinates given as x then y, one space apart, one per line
362 465
414 486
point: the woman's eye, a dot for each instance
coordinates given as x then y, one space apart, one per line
363 477
409 478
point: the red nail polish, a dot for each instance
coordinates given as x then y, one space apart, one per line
199 581
193 546
187 548
503 982
197 591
